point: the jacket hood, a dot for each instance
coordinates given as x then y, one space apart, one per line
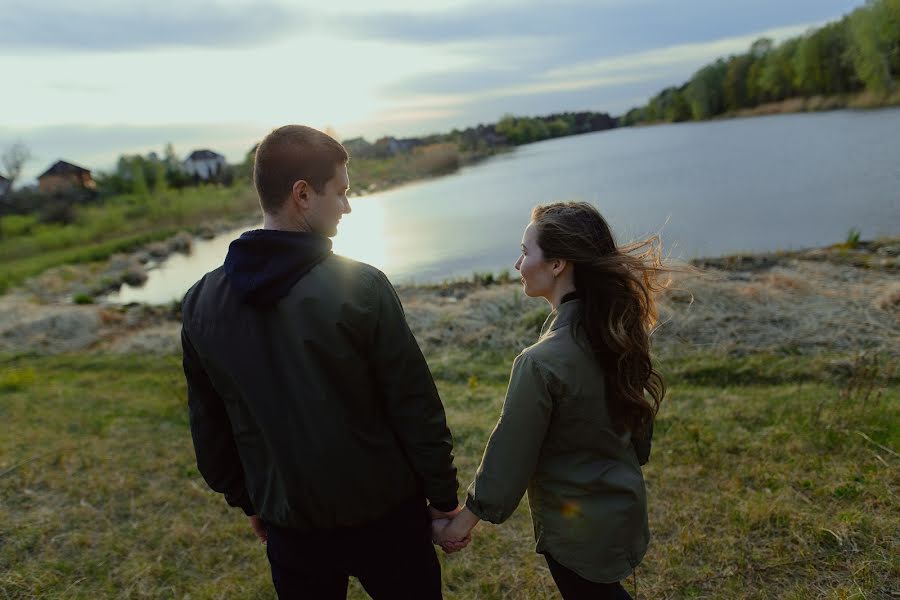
264 264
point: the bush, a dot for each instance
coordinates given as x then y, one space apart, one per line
16 379
436 159
13 225
58 210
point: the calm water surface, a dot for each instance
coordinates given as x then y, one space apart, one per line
766 183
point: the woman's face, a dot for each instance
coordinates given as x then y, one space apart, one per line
537 273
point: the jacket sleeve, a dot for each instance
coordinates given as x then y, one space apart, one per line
411 399
642 445
512 451
217 455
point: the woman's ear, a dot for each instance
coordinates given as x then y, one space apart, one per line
559 265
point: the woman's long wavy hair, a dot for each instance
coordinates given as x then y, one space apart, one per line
616 286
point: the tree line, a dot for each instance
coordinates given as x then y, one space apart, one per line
859 53
525 130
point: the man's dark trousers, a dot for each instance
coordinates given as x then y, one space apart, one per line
393 558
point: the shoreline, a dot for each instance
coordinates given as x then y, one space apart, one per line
780 301
797 105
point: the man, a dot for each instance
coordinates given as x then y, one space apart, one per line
311 405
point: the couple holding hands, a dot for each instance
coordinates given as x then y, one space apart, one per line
313 409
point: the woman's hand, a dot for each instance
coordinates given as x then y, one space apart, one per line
456 535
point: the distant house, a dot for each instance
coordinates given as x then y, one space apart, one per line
65 177
4 185
389 146
204 164
358 147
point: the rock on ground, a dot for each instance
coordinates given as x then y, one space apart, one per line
49 330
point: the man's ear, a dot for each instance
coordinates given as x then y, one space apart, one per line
300 193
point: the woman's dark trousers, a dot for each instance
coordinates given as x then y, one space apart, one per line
573 586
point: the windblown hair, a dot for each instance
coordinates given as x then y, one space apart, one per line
289 154
616 286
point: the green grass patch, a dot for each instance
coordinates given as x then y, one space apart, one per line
761 485
117 224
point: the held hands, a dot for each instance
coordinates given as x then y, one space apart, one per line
259 529
452 531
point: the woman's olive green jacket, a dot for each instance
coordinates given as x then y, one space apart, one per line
555 439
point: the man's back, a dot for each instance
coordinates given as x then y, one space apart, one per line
333 414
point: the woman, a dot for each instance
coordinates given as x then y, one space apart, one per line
578 414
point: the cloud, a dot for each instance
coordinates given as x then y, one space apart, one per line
651 61
598 26
673 63
29 26
458 81
78 88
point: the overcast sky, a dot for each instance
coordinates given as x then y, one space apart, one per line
89 80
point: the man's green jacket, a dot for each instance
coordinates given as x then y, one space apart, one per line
315 410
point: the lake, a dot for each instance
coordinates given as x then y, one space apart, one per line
765 183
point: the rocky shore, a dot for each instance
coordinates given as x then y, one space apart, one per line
89 283
834 299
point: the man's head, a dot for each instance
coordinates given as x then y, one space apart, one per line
301 178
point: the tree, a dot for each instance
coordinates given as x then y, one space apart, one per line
875 44
13 159
761 47
558 128
705 92
776 78
330 131
669 105
634 116
160 177
735 83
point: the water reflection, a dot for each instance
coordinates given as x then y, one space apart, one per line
361 236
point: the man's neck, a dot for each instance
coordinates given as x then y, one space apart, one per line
283 223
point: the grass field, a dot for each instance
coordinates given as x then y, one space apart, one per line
771 477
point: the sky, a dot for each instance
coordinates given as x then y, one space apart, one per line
88 81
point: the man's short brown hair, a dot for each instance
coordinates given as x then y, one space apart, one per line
292 153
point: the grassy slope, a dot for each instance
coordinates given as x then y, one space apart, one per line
119 224
761 484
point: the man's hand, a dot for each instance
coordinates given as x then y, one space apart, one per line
439 514
259 529
437 530
440 522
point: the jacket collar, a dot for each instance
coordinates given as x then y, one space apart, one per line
564 314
